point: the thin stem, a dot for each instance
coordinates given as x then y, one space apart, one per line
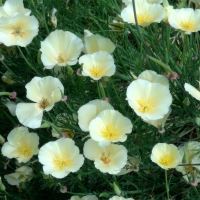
5 93
167 185
27 62
101 89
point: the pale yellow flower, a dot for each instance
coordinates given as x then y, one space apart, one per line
150 101
44 92
60 48
19 30
12 8
97 65
166 156
95 42
192 91
108 159
21 144
190 167
21 175
110 126
60 157
185 19
90 110
147 13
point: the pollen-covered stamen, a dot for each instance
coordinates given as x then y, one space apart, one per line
60 59
43 104
97 71
105 158
17 31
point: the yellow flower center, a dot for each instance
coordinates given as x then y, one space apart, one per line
110 132
144 19
43 104
97 72
105 158
61 163
188 26
18 29
24 150
145 106
166 160
60 59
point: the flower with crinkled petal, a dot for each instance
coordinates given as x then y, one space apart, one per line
12 8
146 12
60 48
44 92
185 19
89 111
21 144
110 126
19 30
60 157
97 65
108 159
150 101
166 156
95 42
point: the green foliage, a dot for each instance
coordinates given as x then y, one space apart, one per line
133 55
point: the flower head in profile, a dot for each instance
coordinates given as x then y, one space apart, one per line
150 101
166 156
21 144
19 30
190 168
192 91
120 198
146 12
60 48
89 111
97 65
185 19
21 175
95 42
60 157
110 126
12 8
44 92
108 159
87 197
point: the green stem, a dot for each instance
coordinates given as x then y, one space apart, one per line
5 93
27 62
101 89
167 185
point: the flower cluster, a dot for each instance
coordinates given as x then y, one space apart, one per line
148 96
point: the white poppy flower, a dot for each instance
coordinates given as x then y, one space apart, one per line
151 101
12 8
166 156
21 175
190 168
120 198
89 111
153 77
110 126
192 91
95 42
87 197
108 159
60 48
44 92
97 65
19 30
21 144
146 13
185 19
60 157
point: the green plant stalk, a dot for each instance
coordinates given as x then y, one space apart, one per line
167 185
